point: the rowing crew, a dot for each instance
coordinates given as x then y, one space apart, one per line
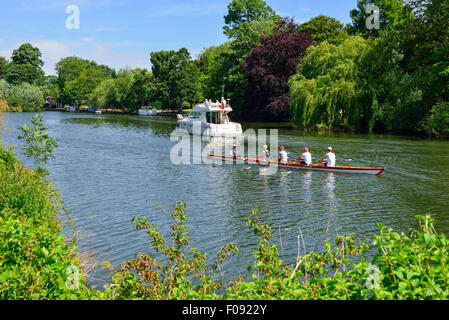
329 159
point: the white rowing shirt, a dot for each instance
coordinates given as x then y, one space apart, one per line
307 156
331 160
283 157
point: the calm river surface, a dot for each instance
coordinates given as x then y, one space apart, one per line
110 168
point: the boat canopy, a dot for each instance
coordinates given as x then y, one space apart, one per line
214 107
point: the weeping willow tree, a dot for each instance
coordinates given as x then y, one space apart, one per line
328 90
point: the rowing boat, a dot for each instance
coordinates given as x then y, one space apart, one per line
297 165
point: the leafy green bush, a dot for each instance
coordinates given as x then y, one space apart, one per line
39 145
35 261
437 122
24 97
184 276
405 267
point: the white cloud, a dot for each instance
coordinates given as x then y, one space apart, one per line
52 51
86 48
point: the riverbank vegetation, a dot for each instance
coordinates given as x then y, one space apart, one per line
36 262
405 266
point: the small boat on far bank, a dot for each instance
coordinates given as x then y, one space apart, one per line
297 165
147 111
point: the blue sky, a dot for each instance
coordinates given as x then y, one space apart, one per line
122 33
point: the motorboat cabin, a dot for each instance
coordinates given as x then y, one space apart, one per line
210 119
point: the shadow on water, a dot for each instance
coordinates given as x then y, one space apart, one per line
159 125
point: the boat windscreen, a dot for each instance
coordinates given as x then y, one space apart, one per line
194 115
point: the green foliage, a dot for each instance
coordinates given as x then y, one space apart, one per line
324 28
23 97
38 143
78 90
34 258
3 67
405 267
177 78
224 63
437 122
78 78
393 13
26 66
244 12
412 266
184 275
326 87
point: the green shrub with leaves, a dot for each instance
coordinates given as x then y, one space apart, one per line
35 260
405 267
409 266
38 143
437 122
185 274
23 97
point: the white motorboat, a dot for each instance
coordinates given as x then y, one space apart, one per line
147 111
210 119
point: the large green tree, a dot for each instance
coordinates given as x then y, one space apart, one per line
324 28
26 65
241 12
77 78
176 80
325 87
3 67
391 14
77 91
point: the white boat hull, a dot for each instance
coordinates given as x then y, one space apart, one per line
211 130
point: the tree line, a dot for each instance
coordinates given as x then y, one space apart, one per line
318 74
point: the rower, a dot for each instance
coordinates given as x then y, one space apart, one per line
283 156
265 154
234 152
305 158
329 159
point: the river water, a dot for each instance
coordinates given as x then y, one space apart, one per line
110 168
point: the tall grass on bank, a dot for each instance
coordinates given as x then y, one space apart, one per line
35 261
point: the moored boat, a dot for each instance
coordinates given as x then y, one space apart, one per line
147 111
297 165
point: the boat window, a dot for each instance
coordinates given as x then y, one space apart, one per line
194 115
213 117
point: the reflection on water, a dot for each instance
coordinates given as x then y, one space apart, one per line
109 168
